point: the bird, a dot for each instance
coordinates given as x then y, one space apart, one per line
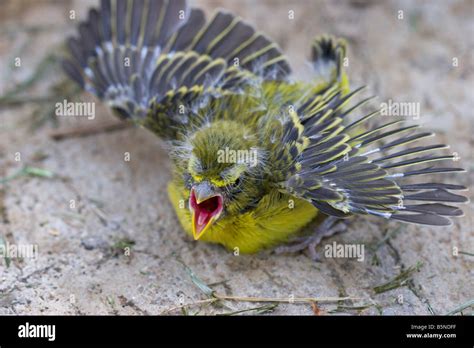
257 155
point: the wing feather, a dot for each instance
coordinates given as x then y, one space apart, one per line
147 58
340 172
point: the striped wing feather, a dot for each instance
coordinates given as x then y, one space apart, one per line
145 58
342 170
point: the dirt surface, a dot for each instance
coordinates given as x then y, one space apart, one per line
98 206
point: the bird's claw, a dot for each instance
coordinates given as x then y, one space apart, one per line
328 227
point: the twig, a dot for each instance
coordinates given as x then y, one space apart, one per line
186 305
125 302
316 309
260 310
219 297
28 171
283 300
211 293
351 308
215 297
461 307
399 280
85 131
387 236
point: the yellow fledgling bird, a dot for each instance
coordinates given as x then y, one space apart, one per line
256 155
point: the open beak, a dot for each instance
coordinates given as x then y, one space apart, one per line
206 207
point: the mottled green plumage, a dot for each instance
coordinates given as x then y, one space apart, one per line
217 86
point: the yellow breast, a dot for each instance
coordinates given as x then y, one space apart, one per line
274 220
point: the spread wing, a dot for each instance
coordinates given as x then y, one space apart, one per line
153 60
348 168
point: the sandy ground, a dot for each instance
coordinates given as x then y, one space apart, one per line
81 267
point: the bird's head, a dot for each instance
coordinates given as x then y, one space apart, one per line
221 168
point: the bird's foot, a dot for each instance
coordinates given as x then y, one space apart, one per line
327 228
